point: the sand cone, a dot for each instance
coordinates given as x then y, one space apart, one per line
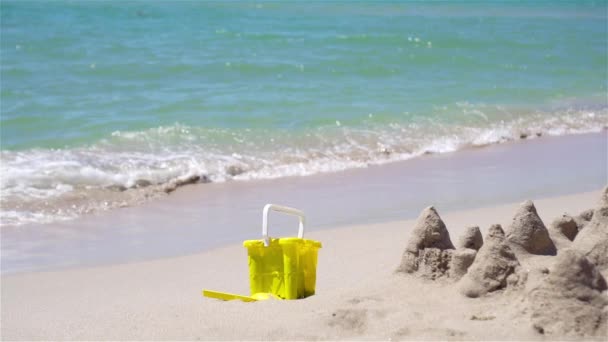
566 225
528 232
562 231
429 247
471 238
494 264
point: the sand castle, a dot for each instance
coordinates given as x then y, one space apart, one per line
565 299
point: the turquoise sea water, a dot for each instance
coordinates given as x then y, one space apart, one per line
99 97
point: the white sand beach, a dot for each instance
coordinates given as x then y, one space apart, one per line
359 297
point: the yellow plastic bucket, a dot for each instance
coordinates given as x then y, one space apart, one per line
279 268
285 267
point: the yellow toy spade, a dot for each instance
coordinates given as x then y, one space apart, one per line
232 296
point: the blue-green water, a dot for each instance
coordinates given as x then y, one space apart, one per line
97 97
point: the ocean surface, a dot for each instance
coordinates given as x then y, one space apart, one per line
109 104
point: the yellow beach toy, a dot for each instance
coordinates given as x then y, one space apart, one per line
280 268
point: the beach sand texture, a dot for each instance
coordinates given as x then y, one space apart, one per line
359 295
139 142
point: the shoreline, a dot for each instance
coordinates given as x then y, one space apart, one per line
160 299
201 217
78 203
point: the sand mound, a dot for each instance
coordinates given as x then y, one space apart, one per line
569 300
429 247
494 266
562 231
471 238
593 239
587 215
461 260
583 218
528 232
565 225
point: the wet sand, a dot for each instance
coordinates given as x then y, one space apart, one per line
200 217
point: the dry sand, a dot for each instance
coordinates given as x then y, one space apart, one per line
359 297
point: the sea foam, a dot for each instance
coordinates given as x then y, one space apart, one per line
126 168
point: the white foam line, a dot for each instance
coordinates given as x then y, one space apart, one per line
176 153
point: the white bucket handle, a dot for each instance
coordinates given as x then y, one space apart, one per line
283 209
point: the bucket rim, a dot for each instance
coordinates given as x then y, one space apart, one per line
283 241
